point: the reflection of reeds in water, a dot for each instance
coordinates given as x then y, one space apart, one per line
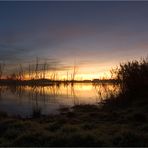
106 91
75 98
46 92
41 97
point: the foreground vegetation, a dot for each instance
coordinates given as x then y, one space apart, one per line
119 121
82 126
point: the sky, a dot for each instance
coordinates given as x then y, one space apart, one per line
93 36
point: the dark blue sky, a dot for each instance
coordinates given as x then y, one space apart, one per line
94 34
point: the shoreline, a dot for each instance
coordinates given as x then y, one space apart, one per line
47 82
82 125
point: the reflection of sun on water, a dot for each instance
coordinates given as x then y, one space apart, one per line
85 93
23 99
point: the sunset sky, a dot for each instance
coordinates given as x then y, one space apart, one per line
94 36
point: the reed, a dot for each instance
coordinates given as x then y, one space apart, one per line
133 76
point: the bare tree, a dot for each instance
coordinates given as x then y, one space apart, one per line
75 70
21 72
36 67
12 76
67 75
29 71
113 73
44 69
2 66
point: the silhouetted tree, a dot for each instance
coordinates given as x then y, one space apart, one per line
44 69
36 67
21 73
75 70
2 66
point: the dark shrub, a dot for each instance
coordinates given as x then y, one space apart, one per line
133 76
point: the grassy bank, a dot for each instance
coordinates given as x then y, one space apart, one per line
84 125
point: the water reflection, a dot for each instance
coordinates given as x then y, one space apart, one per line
27 101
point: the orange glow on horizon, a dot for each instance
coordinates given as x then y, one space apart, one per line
82 72
63 75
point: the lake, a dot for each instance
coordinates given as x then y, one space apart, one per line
26 100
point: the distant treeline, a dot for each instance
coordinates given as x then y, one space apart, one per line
38 70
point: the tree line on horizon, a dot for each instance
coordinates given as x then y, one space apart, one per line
36 71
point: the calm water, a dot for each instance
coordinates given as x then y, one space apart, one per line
25 100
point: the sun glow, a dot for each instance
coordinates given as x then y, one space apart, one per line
62 75
80 73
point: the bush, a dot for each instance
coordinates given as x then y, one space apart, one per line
133 76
